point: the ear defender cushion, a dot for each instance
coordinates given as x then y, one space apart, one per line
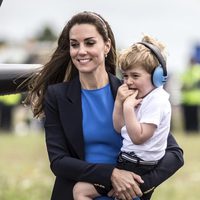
158 77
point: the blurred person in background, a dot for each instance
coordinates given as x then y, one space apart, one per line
190 94
7 106
75 93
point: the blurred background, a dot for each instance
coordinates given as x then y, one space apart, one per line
28 34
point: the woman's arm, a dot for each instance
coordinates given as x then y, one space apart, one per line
170 163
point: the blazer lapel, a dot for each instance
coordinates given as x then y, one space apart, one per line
114 84
73 123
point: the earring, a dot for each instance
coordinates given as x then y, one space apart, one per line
106 55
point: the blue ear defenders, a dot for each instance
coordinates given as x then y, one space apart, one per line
159 74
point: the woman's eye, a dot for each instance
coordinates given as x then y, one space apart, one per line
90 43
74 45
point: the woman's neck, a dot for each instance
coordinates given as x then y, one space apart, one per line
91 81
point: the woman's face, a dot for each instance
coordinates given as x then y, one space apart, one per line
87 48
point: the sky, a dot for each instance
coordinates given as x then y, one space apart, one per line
174 22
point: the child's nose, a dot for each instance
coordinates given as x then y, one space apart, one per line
129 81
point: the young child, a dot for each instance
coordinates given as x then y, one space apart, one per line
142 112
143 117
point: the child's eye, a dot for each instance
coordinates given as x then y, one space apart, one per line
125 76
135 76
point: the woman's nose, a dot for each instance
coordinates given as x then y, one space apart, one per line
82 49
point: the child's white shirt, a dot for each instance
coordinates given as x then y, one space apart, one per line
155 108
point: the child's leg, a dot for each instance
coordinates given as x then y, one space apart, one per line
84 191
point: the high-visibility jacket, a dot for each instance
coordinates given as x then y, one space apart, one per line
10 100
191 86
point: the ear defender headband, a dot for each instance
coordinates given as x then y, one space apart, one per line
159 74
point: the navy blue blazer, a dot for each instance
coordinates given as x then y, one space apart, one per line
65 145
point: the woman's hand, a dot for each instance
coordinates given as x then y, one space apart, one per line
125 184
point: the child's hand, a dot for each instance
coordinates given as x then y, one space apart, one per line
131 100
123 92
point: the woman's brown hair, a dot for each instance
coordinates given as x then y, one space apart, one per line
60 68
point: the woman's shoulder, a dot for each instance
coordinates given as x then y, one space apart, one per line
65 84
64 89
57 86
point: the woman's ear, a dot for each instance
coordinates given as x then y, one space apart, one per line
107 46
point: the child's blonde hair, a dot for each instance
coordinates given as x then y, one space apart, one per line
139 55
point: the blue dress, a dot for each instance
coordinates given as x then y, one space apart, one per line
102 142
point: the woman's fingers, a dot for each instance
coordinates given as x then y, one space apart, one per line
124 184
137 178
125 196
137 190
129 193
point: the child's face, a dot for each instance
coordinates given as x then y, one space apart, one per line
138 79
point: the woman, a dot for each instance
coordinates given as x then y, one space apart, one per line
75 91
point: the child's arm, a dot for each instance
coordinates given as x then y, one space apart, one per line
138 132
118 119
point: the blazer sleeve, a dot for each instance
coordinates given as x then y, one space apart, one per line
62 163
169 164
